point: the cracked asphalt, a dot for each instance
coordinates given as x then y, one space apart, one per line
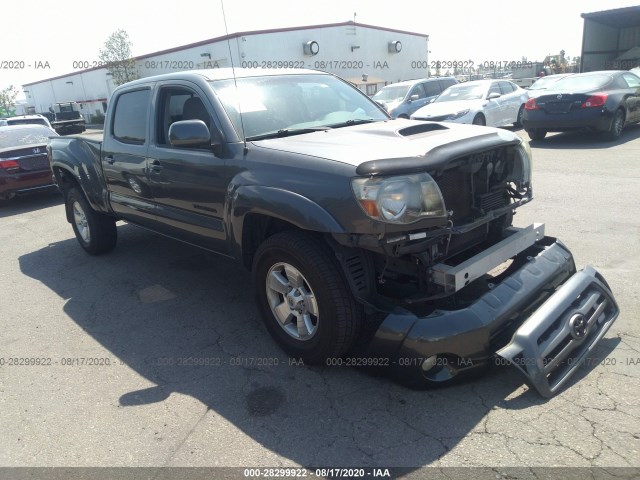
154 355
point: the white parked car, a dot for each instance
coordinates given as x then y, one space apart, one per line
36 119
482 102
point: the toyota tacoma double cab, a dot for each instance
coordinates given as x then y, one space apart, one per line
389 241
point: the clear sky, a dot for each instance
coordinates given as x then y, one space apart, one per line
41 31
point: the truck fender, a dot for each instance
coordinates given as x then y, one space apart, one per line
80 160
282 204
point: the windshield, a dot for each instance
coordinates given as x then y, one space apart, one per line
279 103
582 83
392 93
20 137
463 92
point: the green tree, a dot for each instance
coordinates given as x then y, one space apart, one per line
7 101
116 56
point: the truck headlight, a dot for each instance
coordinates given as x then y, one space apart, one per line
523 152
459 114
400 199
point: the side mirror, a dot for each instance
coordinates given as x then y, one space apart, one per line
414 97
493 95
189 133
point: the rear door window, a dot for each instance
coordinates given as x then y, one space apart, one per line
446 83
130 119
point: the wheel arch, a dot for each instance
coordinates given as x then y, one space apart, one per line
257 212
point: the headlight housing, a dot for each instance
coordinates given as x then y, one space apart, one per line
459 114
523 152
400 199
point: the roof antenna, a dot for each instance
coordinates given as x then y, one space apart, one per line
235 82
354 17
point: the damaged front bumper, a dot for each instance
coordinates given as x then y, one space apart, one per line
544 318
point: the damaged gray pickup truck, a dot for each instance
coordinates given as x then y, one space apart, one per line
371 241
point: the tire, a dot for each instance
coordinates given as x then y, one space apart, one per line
617 125
95 232
537 134
518 122
305 268
479 120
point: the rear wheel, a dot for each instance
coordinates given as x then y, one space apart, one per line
479 120
95 232
617 124
537 134
303 297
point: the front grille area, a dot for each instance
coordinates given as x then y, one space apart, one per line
455 186
491 201
561 334
476 187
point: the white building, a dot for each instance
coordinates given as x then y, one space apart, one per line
366 55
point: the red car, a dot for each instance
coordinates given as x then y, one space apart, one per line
24 166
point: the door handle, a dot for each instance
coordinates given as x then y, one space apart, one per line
109 159
156 166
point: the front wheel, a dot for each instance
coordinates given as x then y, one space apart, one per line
479 120
537 134
303 297
95 232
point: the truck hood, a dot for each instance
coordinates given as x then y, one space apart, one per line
394 145
439 109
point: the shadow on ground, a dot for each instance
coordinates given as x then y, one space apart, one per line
584 139
154 301
30 203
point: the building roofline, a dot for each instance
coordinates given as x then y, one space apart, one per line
236 35
615 11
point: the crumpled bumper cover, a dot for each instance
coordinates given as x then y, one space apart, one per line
553 315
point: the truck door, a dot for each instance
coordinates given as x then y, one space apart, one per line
124 157
188 183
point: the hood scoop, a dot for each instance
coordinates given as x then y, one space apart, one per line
422 128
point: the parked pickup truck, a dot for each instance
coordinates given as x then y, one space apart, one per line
371 241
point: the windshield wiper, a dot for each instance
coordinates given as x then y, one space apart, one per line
356 121
287 132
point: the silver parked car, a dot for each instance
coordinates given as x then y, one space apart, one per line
401 99
494 103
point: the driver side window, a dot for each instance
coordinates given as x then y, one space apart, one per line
177 103
495 88
418 90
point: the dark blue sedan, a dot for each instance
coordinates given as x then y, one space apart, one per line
603 101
